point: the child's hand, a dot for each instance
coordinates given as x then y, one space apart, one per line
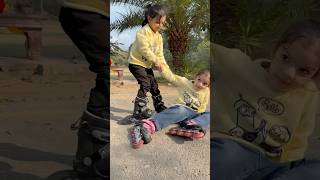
159 67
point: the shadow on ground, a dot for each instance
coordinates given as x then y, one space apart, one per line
7 173
15 152
20 153
120 120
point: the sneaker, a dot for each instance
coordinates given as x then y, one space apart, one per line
189 133
136 138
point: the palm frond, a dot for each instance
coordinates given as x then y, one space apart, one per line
184 17
137 3
128 21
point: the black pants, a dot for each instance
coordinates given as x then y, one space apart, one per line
146 79
90 33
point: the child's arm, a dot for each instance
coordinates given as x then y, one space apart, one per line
231 53
229 56
204 102
174 79
232 64
299 140
144 48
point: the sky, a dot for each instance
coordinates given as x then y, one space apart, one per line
126 37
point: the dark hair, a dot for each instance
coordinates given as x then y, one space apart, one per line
308 28
203 71
153 11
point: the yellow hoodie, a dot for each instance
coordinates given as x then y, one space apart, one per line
188 96
249 111
147 49
97 6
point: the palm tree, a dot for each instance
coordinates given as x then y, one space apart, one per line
184 17
117 54
251 25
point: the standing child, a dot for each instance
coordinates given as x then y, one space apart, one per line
189 111
146 52
263 117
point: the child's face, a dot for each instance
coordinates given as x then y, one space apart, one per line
155 23
201 82
293 65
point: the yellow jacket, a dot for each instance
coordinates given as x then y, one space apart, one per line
147 49
249 111
97 6
188 96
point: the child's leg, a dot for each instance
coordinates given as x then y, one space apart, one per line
140 103
140 73
154 90
234 161
171 115
231 160
305 169
90 40
201 119
88 32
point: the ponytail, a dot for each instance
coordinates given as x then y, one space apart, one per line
144 22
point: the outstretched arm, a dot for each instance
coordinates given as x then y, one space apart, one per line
171 77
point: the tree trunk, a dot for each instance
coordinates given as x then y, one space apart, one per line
178 42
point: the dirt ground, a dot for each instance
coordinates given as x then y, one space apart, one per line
38 102
165 157
36 112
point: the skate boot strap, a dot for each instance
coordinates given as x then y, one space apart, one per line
95 121
149 125
101 135
194 127
139 99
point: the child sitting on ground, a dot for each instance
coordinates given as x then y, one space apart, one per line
188 112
